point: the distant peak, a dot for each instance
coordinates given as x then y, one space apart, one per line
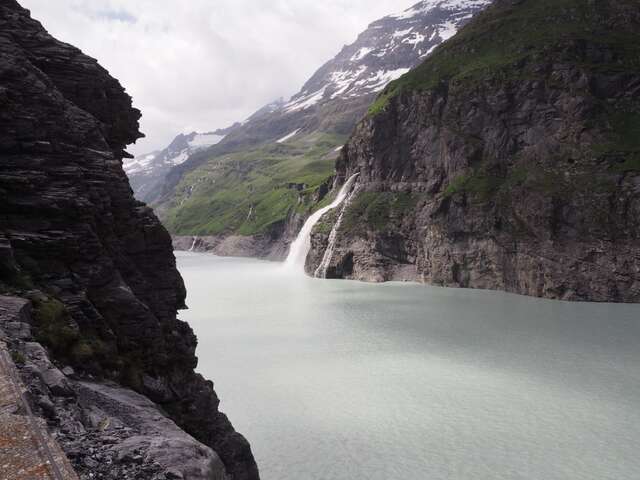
426 6
388 49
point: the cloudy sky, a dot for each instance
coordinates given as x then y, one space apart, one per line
205 64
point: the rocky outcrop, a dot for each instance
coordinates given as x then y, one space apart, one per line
107 431
97 265
508 160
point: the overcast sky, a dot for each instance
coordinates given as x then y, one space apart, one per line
205 64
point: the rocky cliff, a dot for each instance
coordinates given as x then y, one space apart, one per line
510 159
96 264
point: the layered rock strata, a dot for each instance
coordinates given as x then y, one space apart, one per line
96 264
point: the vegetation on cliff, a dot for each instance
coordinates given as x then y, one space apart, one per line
509 40
522 135
378 211
248 192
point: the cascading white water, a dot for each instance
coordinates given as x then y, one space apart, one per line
302 244
193 245
321 271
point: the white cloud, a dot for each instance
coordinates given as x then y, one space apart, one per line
204 64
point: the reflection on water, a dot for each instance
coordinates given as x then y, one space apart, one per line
334 380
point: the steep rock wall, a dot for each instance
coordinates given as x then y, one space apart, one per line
96 263
509 160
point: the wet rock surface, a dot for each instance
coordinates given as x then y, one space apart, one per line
97 264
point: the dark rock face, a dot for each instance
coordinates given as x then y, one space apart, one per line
107 431
70 227
522 178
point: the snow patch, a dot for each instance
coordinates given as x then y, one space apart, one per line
138 164
414 39
428 5
342 80
288 137
381 78
360 54
147 163
306 101
402 33
180 158
447 30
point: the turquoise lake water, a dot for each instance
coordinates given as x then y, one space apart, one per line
335 380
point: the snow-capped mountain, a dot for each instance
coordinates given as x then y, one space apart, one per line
175 154
339 93
146 169
388 49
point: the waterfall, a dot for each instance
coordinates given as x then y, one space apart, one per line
321 271
302 244
193 245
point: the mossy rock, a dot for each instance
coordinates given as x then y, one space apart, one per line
56 330
377 210
54 327
18 358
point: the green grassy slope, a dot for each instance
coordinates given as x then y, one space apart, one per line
245 193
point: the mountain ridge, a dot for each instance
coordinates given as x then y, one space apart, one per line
264 203
153 166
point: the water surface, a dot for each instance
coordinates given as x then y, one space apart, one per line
335 380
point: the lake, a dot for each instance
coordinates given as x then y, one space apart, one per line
339 380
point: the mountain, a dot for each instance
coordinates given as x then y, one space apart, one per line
88 279
249 194
389 48
334 97
146 171
509 159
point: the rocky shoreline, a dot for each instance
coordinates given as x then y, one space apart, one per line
232 246
273 245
